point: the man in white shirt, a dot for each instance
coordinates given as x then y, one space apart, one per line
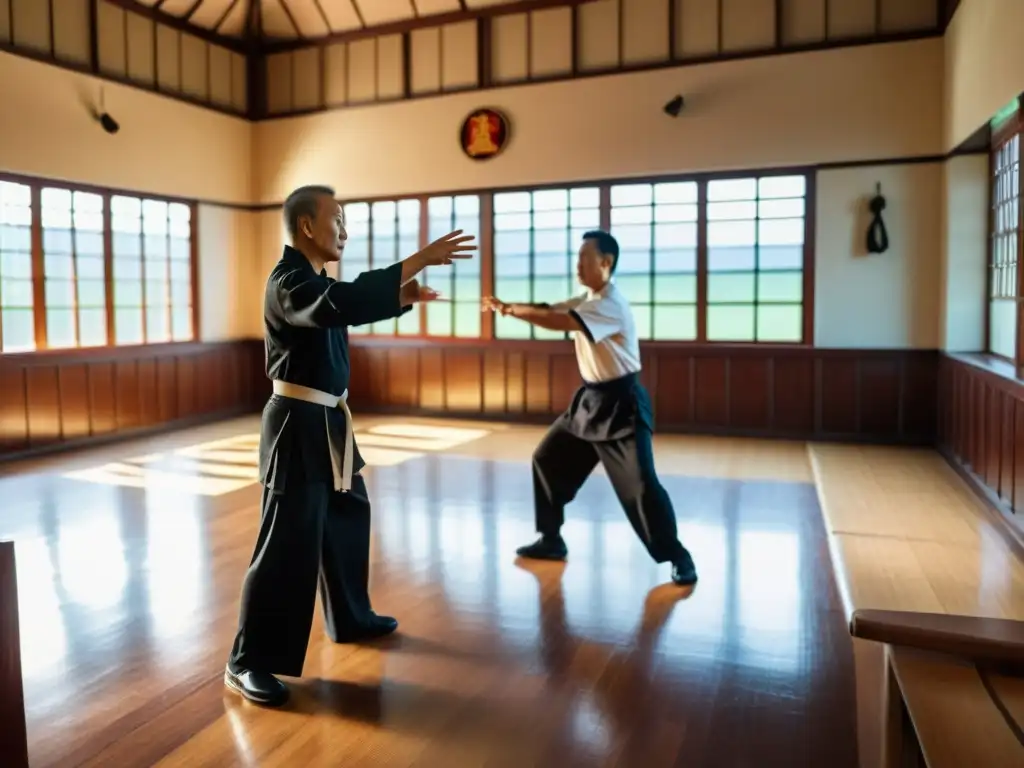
609 419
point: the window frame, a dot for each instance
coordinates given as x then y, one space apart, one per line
39 308
485 239
1003 130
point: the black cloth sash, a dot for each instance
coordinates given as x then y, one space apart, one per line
609 410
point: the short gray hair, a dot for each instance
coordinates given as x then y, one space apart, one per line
303 202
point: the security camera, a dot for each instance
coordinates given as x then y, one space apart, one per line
674 107
110 125
100 115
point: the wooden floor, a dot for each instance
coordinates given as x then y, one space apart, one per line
130 561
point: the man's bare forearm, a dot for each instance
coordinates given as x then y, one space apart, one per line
543 316
412 266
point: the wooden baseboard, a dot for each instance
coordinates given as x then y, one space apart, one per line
1008 523
67 399
864 395
670 428
99 441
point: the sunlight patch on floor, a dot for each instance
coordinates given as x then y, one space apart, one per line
222 466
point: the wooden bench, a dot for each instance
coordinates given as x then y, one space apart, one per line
934 595
955 688
13 735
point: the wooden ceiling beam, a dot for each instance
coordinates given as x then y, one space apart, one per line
407 25
224 16
291 19
191 11
175 22
359 12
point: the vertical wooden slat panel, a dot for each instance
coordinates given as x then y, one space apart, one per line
74 401
13 409
43 395
1007 449
1017 502
102 398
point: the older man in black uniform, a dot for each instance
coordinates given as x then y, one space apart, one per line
315 524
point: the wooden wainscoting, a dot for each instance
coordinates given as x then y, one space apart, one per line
57 399
981 428
800 392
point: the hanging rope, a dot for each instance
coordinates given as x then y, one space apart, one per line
878 237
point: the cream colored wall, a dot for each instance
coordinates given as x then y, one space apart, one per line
270 239
861 103
227 281
164 147
984 64
888 300
963 289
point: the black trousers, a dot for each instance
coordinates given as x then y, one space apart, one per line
563 462
309 535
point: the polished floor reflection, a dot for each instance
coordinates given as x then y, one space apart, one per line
129 587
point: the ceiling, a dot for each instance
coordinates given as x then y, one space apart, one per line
276 21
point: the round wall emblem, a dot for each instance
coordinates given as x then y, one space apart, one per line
484 134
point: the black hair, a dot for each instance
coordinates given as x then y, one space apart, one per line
606 244
303 202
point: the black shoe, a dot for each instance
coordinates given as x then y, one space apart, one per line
381 626
259 687
684 572
545 548
375 627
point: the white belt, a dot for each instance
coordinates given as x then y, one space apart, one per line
342 476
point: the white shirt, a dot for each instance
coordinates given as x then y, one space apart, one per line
608 347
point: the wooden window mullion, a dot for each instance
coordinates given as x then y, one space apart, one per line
38 273
74 274
424 239
369 253
702 261
532 262
453 307
757 251
108 270
807 273
193 271
487 261
395 255
168 296
650 266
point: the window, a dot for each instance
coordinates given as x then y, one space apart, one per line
459 283
656 226
703 259
536 238
755 247
17 331
1002 308
700 260
380 234
87 268
73 268
152 270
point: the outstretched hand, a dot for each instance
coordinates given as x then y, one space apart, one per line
454 245
492 304
412 292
